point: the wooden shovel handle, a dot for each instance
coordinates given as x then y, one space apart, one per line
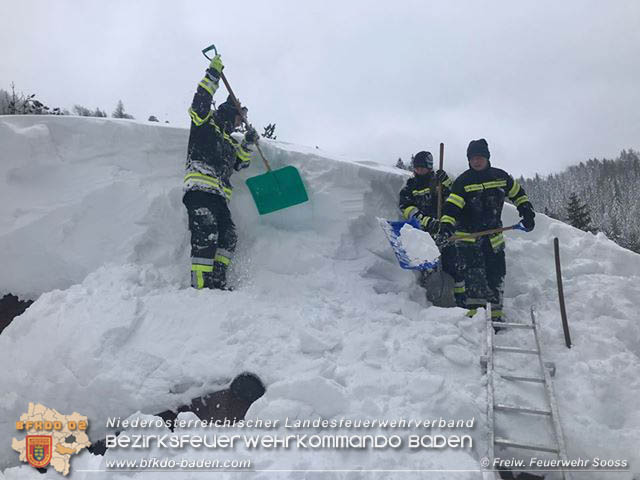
440 184
244 117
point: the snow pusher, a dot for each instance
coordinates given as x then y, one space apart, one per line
392 231
438 284
276 189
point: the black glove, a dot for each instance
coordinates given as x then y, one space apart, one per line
527 214
430 224
443 237
442 176
251 136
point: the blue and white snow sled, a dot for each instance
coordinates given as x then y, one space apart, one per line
392 231
438 284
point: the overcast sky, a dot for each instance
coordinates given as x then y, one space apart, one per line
547 83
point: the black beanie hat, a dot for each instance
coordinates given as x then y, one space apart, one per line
478 148
422 159
227 111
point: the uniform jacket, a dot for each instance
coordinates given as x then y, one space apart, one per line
419 197
212 154
477 198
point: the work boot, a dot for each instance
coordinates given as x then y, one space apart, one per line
497 316
219 277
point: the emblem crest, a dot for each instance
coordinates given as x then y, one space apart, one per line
39 450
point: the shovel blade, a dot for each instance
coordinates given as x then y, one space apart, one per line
277 189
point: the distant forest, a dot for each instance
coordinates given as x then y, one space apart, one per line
597 195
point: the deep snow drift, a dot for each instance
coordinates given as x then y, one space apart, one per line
91 221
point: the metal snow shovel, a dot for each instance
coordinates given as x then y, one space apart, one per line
276 189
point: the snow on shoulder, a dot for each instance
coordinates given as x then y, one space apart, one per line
92 224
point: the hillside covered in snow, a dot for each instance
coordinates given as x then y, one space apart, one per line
93 227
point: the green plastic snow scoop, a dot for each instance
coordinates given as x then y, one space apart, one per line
276 189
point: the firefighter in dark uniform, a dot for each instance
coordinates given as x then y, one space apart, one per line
212 156
419 200
475 204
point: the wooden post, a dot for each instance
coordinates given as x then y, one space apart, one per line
439 208
563 310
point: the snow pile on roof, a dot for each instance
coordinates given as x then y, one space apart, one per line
91 220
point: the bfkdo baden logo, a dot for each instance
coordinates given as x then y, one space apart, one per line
52 438
39 450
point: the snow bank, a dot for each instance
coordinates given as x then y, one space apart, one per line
91 221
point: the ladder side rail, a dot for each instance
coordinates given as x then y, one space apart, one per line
490 391
557 427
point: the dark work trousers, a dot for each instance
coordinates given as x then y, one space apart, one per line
483 270
450 264
213 238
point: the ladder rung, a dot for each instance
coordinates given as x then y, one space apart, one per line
512 325
508 443
515 350
522 379
511 408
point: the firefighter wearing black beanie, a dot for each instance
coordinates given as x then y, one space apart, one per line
475 204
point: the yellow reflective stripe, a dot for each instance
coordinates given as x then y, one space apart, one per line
495 184
515 189
409 211
425 221
196 119
496 313
206 86
424 191
460 237
199 177
242 154
201 268
448 219
458 290
457 200
447 183
232 141
474 187
519 201
209 85
497 240
222 259
471 312
199 279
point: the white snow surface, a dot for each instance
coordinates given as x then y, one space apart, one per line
418 244
92 225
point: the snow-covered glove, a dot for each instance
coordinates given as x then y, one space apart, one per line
442 176
527 214
216 66
443 237
239 165
251 136
429 224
